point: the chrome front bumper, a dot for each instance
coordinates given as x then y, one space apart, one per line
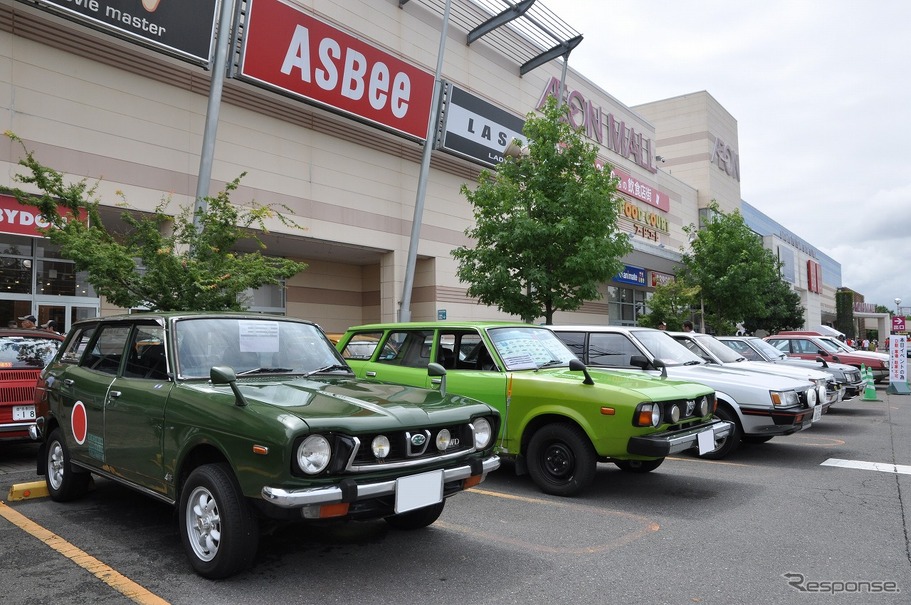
352 492
672 442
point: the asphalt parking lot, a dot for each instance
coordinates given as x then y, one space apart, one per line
820 516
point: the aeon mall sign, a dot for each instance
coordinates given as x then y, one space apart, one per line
602 127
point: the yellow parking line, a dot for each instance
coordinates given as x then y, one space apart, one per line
103 572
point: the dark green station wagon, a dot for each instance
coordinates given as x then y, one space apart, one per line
241 418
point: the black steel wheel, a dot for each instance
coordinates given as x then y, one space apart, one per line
561 459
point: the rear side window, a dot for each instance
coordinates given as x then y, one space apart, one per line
781 345
106 351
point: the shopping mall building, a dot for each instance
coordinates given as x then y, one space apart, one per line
326 109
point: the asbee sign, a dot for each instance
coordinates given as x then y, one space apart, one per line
177 27
287 50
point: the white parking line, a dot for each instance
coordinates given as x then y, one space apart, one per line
883 467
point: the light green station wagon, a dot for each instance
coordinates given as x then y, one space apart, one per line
559 419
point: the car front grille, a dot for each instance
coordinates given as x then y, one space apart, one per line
410 446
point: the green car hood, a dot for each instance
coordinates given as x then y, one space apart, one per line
638 383
355 404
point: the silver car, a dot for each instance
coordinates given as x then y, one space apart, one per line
848 378
760 405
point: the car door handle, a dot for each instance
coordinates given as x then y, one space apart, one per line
68 382
436 381
114 394
371 374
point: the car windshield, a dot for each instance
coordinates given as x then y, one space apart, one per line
529 348
832 347
662 346
767 350
837 345
24 352
720 350
253 347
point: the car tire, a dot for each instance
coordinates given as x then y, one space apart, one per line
418 518
728 444
218 529
63 481
561 459
638 466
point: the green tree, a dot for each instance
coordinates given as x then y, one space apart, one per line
545 233
163 261
844 311
737 277
671 303
781 310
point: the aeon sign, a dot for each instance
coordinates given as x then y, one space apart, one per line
603 127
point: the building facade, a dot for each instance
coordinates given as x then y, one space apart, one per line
326 110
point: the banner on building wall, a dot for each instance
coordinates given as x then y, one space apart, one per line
633 187
20 219
635 276
291 52
478 130
177 27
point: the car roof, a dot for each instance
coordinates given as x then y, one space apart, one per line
443 325
25 333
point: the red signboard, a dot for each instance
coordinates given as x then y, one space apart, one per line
642 191
287 49
21 219
898 324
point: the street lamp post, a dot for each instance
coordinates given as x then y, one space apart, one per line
898 301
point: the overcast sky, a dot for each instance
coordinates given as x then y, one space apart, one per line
821 91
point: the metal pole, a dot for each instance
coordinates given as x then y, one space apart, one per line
405 309
215 87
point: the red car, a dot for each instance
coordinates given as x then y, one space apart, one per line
810 345
23 354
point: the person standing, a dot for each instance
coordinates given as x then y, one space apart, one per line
29 322
687 326
51 326
662 326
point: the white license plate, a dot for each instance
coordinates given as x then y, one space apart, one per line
817 413
23 412
418 491
706 441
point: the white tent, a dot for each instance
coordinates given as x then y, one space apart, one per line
829 331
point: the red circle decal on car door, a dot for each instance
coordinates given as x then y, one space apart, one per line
79 422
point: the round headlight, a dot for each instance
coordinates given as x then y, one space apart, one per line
811 397
675 414
380 446
821 392
483 433
443 439
703 406
313 454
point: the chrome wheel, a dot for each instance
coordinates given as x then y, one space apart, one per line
55 465
203 524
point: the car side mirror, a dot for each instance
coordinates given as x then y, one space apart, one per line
823 361
576 365
226 375
436 370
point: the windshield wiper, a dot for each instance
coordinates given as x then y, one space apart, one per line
264 371
552 362
693 362
333 368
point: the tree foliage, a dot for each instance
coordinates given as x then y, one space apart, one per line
163 261
671 303
739 280
545 228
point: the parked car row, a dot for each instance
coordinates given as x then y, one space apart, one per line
240 420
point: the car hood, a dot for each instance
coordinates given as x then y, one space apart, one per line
362 405
784 370
645 386
722 378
